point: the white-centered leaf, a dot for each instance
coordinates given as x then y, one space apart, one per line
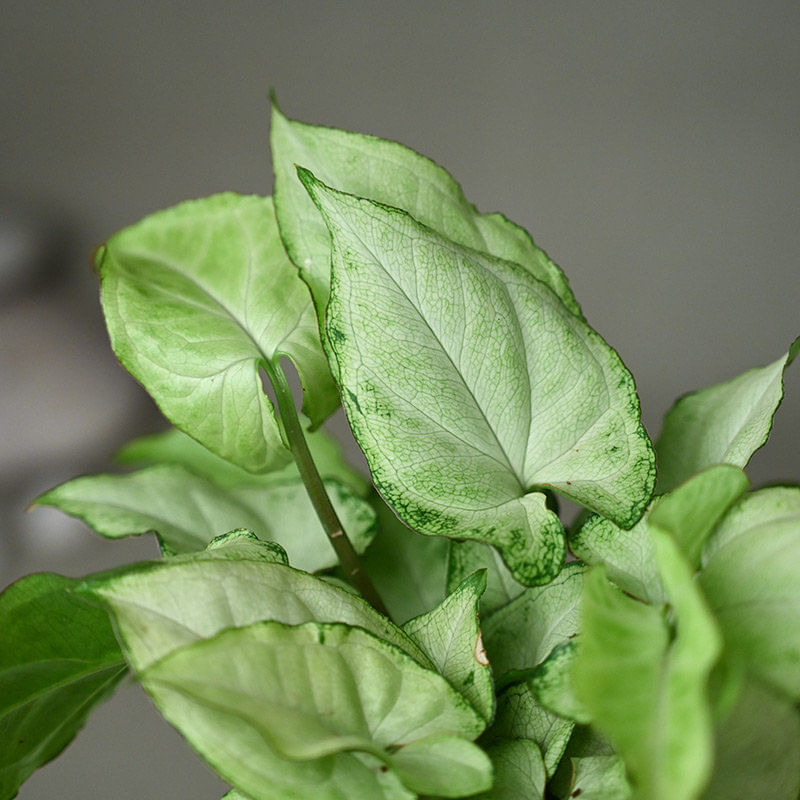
187 511
520 635
468 384
519 771
450 634
723 424
751 578
175 447
330 689
58 658
519 716
196 299
643 676
164 605
467 557
394 175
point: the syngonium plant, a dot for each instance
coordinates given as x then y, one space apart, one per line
448 638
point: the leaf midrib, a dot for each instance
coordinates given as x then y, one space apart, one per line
458 372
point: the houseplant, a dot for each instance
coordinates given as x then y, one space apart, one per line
438 642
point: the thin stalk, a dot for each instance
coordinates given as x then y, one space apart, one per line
345 552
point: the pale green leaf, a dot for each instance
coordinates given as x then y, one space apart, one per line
196 299
757 749
407 568
468 557
450 634
446 766
523 633
164 605
691 512
175 447
187 511
752 581
519 771
723 424
551 684
397 176
773 505
468 386
644 677
590 769
628 556
332 689
519 716
600 778
58 658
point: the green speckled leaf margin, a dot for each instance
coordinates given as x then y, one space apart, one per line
469 385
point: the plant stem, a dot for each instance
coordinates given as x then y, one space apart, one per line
345 552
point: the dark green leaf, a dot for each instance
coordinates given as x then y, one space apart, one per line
58 658
407 568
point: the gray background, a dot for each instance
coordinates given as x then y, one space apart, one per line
651 148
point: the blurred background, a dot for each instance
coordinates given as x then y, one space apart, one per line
651 148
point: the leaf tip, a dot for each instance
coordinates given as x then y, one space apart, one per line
794 349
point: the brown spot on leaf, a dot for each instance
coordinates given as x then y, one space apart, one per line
480 652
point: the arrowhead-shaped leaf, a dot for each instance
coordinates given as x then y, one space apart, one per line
468 384
723 424
643 677
187 511
523 633
196 299
752 581
519 716
175 447
331 690
450 634
164 605
394 175
519 771
58 658
468 557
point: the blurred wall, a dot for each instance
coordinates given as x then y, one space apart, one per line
651 148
